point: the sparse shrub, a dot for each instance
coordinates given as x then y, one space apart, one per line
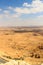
7 57
35 34
6 34
37 56
31 54
41 33
21 58
10 39
20 48
40 47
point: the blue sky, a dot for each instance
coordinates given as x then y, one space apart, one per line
21 12
13 3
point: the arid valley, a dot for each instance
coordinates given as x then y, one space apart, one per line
21 44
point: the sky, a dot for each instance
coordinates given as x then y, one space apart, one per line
21 12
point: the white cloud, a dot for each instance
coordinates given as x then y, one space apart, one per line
6 12
7 15
22 10
41 16
17 21
36 6
0 9
10 19
16 15
26 5
35 3
1 16
10 7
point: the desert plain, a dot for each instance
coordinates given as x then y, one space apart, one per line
22 44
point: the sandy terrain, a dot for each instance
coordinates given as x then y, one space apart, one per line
22 44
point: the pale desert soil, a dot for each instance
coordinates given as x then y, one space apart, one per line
26 46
